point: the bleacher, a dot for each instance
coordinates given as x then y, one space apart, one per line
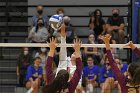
15 22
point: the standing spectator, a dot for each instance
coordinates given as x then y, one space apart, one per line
24 60
43 55
39 33
92 51
90 74
60 11
115 26
96 23
40 14
34 75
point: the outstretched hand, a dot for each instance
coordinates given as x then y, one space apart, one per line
131 45
77 45
106 38
52 44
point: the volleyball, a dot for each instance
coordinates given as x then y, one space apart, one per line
55 21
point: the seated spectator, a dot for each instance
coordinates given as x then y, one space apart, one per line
115 26
34 75
96 23
40 14
38 34
90 74
24 60
106 78
92 51
43 55
70 35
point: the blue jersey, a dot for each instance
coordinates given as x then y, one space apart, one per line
104 73
124 68
31 72
90 73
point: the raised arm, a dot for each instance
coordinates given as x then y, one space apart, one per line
63 51
49 72
77 74
119 76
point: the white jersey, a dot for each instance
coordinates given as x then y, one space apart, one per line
30 90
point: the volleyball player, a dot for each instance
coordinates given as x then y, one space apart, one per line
132 84
60 84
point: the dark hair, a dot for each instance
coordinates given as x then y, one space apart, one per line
59 9
115 9
134 70
94 15
95 12
37 24
37 58
90 56
59 83
88 39
39 51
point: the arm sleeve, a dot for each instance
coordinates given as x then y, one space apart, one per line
63 51
76 77
49 72
119 76
30 90
97 70
40 71
33 21
30 35
29 73
45 35
137 51
62 55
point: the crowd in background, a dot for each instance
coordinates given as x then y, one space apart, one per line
96 69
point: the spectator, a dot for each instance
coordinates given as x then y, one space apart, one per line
115 26
39 33
106 78
43 55
70 35
34 75
24 60
40 14
90 74
96 23
92 51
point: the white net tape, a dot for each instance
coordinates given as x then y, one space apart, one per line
62 45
